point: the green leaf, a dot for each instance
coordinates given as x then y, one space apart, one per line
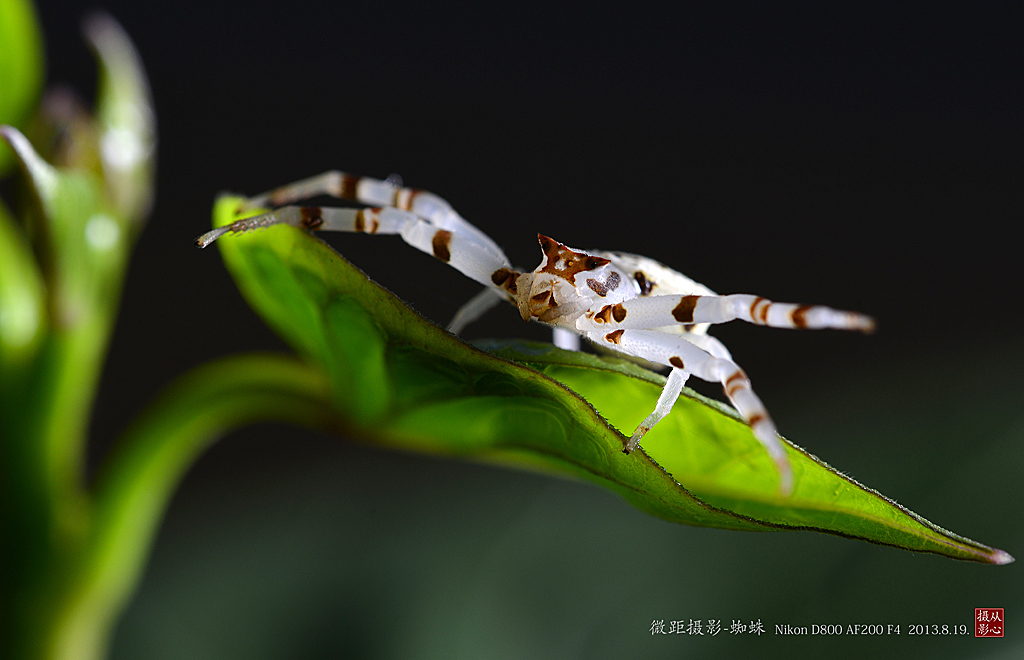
125 120
21 66
82 222
402 381
22 299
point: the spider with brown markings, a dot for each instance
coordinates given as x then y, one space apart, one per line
624 302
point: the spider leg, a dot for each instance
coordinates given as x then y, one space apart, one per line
460 250
676 351
565 339
474 308
375 192
667 399
656 311
708 343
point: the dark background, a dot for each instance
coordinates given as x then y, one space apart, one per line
869 158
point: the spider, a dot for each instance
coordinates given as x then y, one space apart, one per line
627 303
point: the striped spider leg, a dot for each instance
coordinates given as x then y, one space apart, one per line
625 303
421 218
645 310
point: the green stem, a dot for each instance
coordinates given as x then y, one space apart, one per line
142 472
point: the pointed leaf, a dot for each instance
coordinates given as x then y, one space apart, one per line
406 382
125 119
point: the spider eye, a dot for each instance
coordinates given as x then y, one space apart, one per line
592 263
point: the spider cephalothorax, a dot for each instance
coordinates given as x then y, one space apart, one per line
554 293
623 302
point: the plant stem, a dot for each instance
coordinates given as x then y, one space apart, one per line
139 478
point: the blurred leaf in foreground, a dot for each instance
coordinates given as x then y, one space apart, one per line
21 66
62 266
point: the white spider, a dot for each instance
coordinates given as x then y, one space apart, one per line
624 302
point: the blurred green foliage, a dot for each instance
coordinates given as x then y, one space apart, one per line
21 66
62 265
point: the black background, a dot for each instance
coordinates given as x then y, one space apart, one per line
869 157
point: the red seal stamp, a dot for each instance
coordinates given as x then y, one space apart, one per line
988 622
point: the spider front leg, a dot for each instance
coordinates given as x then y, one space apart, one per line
659 311
459 250
375 192
390 198
675 351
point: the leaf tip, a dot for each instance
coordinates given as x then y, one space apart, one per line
1001 558
43 175
125 116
